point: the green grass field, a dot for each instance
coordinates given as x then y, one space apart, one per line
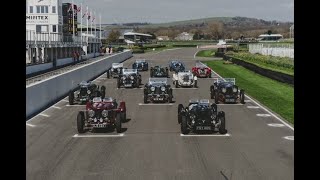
280 64
278 97
206 53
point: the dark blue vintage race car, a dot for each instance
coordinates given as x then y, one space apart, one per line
226 91
140 64
176 66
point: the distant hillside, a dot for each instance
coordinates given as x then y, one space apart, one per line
227 21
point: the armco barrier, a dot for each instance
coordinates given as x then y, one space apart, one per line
285 78
45 93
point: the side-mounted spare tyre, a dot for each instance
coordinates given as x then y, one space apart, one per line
180 107
103 92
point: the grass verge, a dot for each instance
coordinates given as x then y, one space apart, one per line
206 53
279 64
277 96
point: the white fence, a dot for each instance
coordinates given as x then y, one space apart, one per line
285 50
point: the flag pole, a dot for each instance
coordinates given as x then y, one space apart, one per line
90 24
100 27
81 22
95 24
87 25
73 20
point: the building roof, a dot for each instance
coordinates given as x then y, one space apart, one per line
140 34
267 35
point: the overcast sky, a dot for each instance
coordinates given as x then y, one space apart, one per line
157 11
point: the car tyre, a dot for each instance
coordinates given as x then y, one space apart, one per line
71 98
222 128
180 107
216 97
184 126
242 96
80 122
118 123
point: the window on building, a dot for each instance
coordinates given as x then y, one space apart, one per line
31 9
54 28
42 9
46 9
53 9
44 28
38 28
38 9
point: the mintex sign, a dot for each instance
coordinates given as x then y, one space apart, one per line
36 19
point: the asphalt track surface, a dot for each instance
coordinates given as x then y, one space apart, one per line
151 146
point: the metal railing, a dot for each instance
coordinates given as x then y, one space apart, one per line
33 37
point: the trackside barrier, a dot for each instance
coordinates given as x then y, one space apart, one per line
47 92
46 66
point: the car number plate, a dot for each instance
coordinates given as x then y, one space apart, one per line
203 128
99 125
128 85
230 100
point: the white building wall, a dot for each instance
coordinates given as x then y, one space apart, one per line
44 18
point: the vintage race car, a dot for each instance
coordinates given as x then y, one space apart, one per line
115 71
184 79
200 115
102 113
140 64
157 90
129 78
201 70
176 66
225 90
159 71
87 91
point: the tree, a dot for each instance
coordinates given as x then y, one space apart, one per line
216 29
113 36
269 32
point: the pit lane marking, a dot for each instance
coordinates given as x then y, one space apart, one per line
276 125
129 88
64 100
285 123
247 101
263 115
151 104
253 107
291 138
76 105
208 135
97 135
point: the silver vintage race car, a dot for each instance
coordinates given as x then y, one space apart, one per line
129 78
157 90
184 79
115 71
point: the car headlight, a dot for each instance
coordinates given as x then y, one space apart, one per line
91 113
152 88
224 90
104 113
88 91
132 77
192 117
123 77
235 89
163 88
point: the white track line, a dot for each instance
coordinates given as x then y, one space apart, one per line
285 123
184 88
142 104
276 125
253 107
76 105
291 138
64 100
247 101
217 135
263 115
98 135
31 125
230 104
45 115
56 107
